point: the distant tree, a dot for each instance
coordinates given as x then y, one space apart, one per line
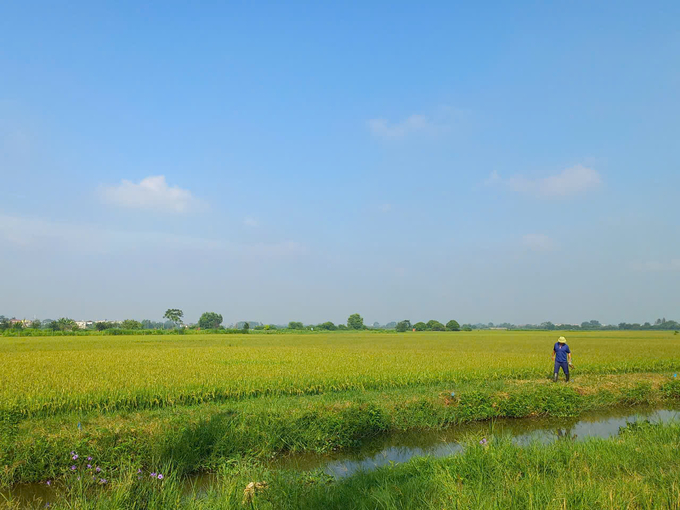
548 325
36 324
66 324
4 323
420 326
467 327
342 326
404 325
175 315
18 326
246 327
53 325
210 320
295 325
434 325
328 326
355 321
391 325
591 325
452 326
131 324
376 325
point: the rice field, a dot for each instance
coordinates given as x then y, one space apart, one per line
45 376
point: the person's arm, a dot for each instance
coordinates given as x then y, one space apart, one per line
569 357
553 354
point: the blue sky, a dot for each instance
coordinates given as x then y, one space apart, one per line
303 161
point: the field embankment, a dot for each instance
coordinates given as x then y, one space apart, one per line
638 469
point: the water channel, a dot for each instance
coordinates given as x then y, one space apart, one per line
400 447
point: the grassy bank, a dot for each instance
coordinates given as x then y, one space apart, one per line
638 469
206 437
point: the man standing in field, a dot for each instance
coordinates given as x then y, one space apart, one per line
561 355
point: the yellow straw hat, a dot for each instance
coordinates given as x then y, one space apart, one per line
562 340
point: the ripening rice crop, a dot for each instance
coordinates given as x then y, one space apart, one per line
44 375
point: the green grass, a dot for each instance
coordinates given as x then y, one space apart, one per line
639 470
43 376
198 402
205 437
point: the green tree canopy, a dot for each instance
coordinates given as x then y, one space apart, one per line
434 325
295 325
403 326
420 326
328 326
246 327
355 321
175 315
102 325
66 324
452 325
131 324
210 320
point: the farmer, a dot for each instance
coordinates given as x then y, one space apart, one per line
561 355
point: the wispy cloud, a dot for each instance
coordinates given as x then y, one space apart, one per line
569 182
251 222
36 233
655 266
539 242
151 193
382 128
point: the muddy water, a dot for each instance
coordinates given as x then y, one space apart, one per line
401 447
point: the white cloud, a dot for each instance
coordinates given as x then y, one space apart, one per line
384 129
539 242
251 222
36 233
569 182
152 193
654 266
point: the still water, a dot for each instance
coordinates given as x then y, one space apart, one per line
400 447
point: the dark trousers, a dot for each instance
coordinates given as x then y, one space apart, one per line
564 365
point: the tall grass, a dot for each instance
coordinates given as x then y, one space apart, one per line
637 470
47 376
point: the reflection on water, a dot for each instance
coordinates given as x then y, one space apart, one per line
401 447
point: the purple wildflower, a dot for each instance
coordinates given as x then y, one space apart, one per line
73 468
102 481
160 476
98 469
89 466
48 482
153 475
483 442
73 453
139 471
89 458
75 457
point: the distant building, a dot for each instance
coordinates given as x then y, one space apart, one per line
84 324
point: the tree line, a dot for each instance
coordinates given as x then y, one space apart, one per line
174 319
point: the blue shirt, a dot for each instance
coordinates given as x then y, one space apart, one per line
561 351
